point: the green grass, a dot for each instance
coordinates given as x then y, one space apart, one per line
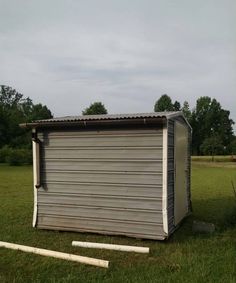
185 257
218 158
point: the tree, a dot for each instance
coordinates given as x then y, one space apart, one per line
15 109
3 127
95 108
186 111
164 103
212 146
210 120
176 106
233 146
34 112
9 97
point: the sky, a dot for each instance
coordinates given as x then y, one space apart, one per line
126 54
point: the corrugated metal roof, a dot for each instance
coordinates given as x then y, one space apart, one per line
73 120
112 117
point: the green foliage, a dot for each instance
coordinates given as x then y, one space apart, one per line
16 157
9 97
233 146
210 120
186 111
4 153
211 124
176 106
95 108
15 109
212 146
3 127
184 257
164 103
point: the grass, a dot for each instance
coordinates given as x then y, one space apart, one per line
185 257
218 158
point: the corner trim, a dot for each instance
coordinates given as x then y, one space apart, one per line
34 147
165 180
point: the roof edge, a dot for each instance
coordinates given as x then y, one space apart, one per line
108 119
85 123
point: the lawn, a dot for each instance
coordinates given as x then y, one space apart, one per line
185 257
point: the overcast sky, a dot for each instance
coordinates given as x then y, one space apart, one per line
68 54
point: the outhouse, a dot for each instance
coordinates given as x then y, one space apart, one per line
126 174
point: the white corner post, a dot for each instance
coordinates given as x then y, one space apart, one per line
165 178
35 149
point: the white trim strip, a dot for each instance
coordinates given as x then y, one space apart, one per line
34 147
43 252
144 250
164 180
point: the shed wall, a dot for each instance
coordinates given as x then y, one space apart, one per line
171 170
106 181
188 165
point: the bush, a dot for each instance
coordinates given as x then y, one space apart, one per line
212 146
18 157
4 153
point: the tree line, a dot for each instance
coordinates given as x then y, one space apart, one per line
15 142
16 109
211 124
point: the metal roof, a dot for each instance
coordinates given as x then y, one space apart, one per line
103 117
112 117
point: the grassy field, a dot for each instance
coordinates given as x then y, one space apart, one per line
218 158
185 257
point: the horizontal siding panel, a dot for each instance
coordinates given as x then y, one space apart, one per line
155 236
100 201
107 181
125 165
100 225
146 153
96 177
152 216
97 133
103 141
103 189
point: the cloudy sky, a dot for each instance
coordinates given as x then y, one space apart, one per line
67 54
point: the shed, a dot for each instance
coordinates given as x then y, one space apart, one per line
126 174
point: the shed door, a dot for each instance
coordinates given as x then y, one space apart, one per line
181 151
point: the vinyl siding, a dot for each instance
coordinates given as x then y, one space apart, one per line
106 181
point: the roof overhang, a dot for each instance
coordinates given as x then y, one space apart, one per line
106 120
